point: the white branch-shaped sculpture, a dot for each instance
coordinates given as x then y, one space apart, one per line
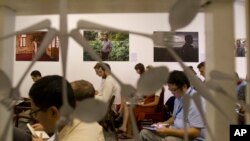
149 82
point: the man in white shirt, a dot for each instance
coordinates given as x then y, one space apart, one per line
99 72
110 87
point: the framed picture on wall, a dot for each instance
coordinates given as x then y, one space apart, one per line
240 48
109 46
28 44
185 44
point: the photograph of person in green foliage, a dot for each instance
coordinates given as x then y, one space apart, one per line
110 46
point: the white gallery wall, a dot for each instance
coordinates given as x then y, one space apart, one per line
240 32
140 48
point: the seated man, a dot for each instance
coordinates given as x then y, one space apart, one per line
46 101
36 75
241 96
82 90
110 87
179 85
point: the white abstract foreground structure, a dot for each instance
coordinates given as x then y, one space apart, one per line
220 86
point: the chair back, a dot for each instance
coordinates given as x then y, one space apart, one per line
105 122
21 112
108 122
160 105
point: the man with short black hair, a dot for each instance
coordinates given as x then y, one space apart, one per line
110 87
47 99
179 85
36 75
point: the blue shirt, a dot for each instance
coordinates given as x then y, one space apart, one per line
193 120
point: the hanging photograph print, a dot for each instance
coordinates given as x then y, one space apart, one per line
28 44
109 46
185 44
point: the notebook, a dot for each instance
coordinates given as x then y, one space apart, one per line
149 127
37 133
153 127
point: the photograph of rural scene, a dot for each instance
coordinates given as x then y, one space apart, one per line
110 46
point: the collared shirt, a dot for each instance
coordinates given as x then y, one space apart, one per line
81 131
193 118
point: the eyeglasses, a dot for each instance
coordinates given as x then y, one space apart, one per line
173 89
33 114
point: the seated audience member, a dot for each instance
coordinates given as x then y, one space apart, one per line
36 75
240 88
46 101
241 96
96 68
110 87
179 85
99 72
124 112
82 90
149 105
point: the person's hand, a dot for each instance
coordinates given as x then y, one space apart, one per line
162 130
140 103
160 124
37 138
38 127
